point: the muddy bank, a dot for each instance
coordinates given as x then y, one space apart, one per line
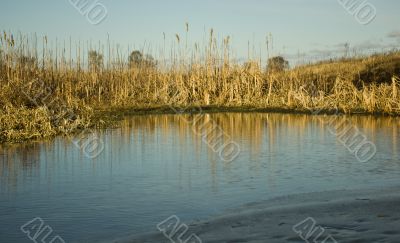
341 216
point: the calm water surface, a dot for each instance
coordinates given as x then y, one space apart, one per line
156 166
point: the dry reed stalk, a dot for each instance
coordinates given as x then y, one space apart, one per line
395 80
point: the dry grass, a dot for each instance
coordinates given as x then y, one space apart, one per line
194 76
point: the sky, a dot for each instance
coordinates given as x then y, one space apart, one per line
297 27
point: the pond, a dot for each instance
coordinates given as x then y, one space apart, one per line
155 166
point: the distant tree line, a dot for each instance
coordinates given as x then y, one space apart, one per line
135 59
275 64
138 59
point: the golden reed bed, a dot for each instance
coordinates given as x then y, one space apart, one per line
49 89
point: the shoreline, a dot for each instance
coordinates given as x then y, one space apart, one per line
127 111
108 117
370 215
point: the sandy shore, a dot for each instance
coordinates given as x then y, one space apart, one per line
345 216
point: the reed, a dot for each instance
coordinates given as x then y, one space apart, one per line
40 81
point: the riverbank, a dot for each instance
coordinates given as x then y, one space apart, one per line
42 96
345 216
22 124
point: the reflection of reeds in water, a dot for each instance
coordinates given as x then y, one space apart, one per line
256 128
256 133
15 160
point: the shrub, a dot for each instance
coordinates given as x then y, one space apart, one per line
277 64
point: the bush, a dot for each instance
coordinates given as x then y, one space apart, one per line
277 64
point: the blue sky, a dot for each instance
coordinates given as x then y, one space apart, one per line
316 27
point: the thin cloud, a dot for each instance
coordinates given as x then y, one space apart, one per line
394 34
368 45
341 45
340 49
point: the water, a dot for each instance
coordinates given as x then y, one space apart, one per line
156 166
